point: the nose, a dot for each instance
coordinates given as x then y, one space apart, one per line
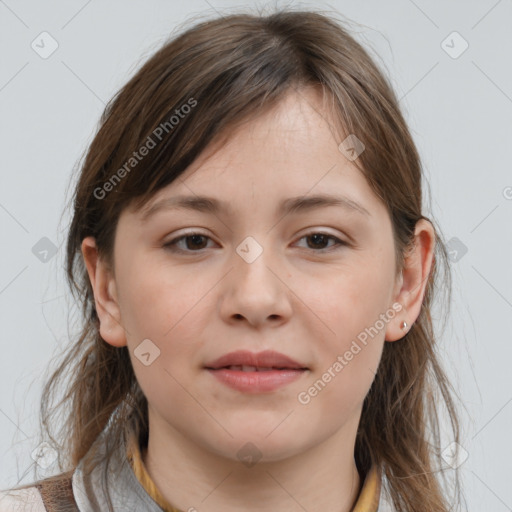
255 290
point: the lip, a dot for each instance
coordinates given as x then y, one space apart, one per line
265 359
256 382
285 370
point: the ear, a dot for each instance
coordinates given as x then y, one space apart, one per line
105 294
412 282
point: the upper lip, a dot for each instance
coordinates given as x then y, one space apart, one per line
265 359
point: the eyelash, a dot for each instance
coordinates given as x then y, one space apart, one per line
170 246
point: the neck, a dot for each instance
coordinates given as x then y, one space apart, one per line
324 477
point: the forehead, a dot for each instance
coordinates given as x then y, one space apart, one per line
288 152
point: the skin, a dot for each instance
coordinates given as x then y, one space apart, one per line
303 296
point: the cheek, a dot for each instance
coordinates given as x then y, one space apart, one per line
355 308
160 302
165 308
355 297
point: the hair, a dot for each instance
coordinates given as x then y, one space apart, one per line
229 70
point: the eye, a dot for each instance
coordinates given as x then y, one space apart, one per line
319 238
195 242
196 239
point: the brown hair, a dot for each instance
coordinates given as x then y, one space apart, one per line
229 70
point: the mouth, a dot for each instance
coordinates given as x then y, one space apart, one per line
255 372
243 360
245 368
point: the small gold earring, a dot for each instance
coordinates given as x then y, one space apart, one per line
403 325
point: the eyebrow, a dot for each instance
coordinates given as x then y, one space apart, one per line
291 205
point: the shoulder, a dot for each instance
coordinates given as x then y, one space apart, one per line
21 500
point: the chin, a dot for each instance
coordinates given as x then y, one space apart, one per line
258 440
251 451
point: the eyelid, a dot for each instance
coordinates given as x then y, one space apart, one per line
192 232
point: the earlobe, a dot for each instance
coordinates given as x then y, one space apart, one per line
398 327
414 279
105 295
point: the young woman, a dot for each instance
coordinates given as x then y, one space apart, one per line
256 274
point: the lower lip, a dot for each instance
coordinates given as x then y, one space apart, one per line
256 382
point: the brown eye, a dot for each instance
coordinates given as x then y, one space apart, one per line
318 241
194 242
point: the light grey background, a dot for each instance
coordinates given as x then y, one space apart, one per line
459 110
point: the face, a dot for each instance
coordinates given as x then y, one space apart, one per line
315 283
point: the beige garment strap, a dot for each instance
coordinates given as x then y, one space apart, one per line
57 495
